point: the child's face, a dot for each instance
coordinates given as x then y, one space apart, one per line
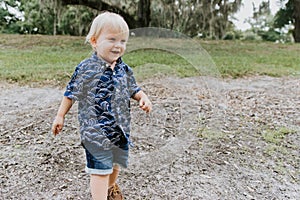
110 45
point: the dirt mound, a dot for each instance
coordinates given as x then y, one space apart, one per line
205 139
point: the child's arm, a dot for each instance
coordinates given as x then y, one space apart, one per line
144 102
58 122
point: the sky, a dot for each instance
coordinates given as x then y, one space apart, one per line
247 9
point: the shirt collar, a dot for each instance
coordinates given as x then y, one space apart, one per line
104 64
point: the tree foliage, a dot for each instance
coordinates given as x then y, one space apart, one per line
121 7
8 19
289 14
262 17
262 23
50 17
208 18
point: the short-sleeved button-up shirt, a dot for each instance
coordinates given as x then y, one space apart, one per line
103 97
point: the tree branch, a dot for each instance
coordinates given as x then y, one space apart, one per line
102 6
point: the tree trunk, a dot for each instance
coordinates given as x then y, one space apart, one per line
296 32
212 22
143 13
296 16
54 24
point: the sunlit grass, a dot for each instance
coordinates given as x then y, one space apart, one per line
239 58
51 59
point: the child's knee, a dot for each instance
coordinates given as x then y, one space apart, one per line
100 177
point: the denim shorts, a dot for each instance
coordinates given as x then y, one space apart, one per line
101 162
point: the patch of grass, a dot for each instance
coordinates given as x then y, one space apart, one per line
283 154
211 134
150 62
277 136
239 58
41 59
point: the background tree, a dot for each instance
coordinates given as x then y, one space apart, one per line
119 7
39 18
208 18
289 14
75 20
8 19
50 17
192 17
262 18
262 23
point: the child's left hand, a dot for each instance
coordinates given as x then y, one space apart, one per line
145 104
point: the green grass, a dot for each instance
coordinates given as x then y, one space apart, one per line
277 136
239 58
279 148
160 63
28 59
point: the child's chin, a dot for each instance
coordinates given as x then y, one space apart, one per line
115 55
115 59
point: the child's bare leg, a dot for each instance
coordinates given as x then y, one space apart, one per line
99 186
113 177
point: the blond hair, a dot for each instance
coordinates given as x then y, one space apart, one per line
107 20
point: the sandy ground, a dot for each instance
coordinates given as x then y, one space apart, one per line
205 139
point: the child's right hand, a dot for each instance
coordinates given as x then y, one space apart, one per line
57 125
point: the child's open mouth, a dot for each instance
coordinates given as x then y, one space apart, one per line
115 52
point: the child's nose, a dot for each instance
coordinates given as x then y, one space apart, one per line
119 44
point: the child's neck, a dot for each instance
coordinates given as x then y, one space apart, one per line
112 65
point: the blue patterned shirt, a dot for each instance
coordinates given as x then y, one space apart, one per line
103 97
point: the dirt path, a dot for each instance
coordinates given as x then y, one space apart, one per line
206 139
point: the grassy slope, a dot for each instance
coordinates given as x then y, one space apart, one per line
51 59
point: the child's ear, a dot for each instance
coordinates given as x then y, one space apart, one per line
93 41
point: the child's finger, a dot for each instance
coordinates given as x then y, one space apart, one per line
142 103
53 129
56 129
147 108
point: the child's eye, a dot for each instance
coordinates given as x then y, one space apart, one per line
123 41
112 39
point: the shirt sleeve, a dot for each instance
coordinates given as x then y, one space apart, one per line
74 89
132 86
84 81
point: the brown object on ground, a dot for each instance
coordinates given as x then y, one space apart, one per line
115 193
